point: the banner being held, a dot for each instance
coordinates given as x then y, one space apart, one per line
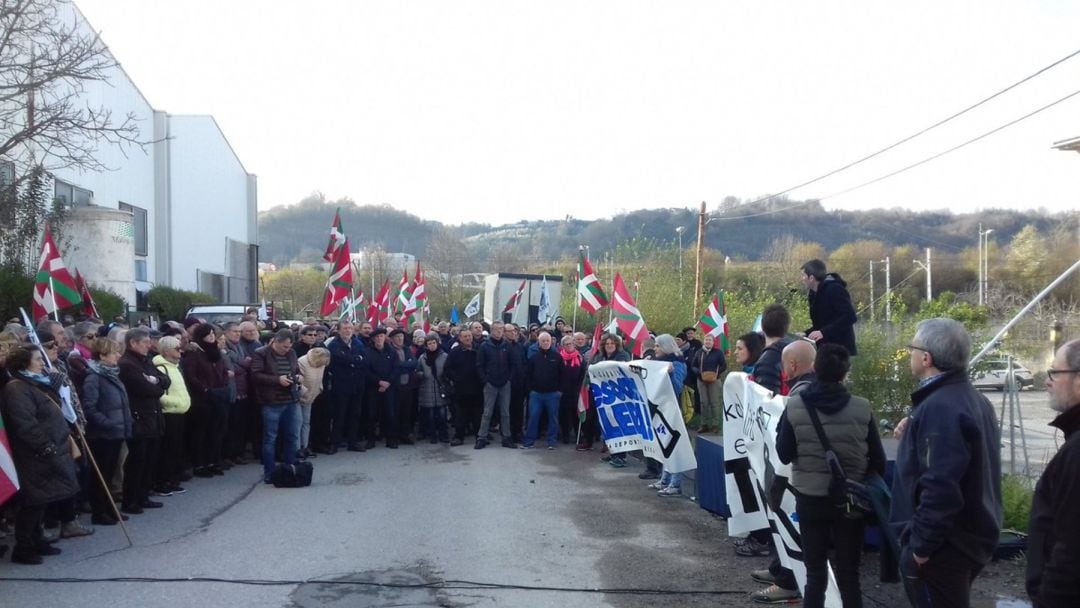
638 410
758 493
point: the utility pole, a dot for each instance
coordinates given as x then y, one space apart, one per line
926 267
888 292
700 248
871 291
980 266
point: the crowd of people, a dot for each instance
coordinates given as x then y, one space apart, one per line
157 407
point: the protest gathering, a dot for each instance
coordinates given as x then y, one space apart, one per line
107 421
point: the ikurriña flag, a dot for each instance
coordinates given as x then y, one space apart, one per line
512 303
337 238
714 321
590 294
629 318
54 287
339 284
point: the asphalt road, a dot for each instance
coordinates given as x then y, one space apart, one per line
406 519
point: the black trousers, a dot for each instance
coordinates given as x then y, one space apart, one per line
820 522
139 469
198 434
344 404
107 456
319 440
469 408
236 435
568 417
28 528
370 414
405 400
943 582
170 462
518 397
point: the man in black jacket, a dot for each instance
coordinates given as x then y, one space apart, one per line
145 385
1053 570
461 374
831 313
345 379
946 490
542 376
381 384
495 364
768 368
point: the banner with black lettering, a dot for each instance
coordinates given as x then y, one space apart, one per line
638 410
758 492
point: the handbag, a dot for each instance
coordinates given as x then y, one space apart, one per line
708 377
850 497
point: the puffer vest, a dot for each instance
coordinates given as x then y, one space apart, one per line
846 430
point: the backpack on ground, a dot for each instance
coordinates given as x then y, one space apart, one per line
296 475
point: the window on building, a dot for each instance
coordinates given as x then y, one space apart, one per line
139 219
140 270
70 194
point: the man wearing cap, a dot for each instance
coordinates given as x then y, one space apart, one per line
345 378
404 397
381 383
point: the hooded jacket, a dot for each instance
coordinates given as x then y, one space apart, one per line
849 426
946 488
832 314
108 415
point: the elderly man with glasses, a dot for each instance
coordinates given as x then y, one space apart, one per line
1053 570
946 497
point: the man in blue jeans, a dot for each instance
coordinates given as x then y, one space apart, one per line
542 373
276 377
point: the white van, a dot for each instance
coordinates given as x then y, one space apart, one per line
219 313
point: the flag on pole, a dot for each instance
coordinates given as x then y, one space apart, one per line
512 303
9 478
66 406
54 287
339 284
543 311
629 318
264 314
613 327
595 348
454 316
419 296
590 294
473 308
756 328
337 238
379 309
352 307
714 321
404 296
583 400
88 306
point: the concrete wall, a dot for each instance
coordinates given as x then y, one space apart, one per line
102 246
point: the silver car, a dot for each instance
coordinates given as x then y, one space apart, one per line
992 375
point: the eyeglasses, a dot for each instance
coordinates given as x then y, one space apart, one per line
1050 372
912 347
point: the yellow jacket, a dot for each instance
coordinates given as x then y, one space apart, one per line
176 400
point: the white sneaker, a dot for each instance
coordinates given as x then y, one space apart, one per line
656 485
669 492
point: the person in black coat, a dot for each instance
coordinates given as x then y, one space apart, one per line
381 381
108 420
145 384
40 446
345 379
543 374
1053 568
831 313
462 377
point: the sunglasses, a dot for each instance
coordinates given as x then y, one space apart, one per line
1050 372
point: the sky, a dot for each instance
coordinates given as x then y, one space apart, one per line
500 110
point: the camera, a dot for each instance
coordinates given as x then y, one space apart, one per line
294 387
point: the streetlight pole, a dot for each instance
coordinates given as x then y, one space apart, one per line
700 247
984 263
926 267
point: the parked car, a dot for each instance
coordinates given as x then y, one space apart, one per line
992 375
219 313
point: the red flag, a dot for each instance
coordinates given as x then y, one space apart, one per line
629 319
54 287
337 238
380 305
9 479
512 303
590 294
597 334
340 282
89 308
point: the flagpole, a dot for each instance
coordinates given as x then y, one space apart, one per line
352 304
104 486
52 295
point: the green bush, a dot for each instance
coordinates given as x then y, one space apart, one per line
173 304
16 290
1016 495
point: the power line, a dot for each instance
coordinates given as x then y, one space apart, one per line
900 142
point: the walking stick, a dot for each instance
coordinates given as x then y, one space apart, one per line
104 486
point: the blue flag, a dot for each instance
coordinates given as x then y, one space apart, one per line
453 316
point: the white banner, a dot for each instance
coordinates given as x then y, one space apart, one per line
638 410
751 419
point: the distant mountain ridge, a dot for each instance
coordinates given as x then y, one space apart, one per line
298 233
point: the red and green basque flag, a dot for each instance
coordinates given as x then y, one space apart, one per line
340 282
714 321
54 287
590 294
337 238
628 318
9 479
512 303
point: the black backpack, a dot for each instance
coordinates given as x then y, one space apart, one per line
292 475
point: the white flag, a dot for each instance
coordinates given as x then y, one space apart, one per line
473 308
544 310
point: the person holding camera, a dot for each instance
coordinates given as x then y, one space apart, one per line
825 418
276 376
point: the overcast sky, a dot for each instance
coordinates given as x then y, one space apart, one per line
502 110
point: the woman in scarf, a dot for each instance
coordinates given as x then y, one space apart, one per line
570 378
41 448
432 396
108 420
208 384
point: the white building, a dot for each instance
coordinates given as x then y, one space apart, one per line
180 212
